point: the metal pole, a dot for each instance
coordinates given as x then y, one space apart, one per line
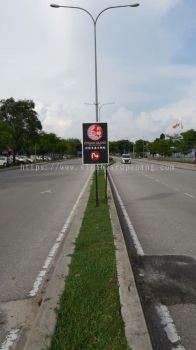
96 111
106 182
96 84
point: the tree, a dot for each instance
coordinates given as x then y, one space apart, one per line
188 140
162 147
5 136
46 143
22 120
124 146
113 146
73 146
139 147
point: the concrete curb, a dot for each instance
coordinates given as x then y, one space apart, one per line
135 326
39 337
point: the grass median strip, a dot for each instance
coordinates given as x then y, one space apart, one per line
89 315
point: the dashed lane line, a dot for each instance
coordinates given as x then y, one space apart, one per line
169 326
10 339
189 195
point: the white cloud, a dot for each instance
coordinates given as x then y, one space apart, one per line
47 55
149 125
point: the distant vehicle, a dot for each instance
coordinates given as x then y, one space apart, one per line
3 161
21 159
126 159
29 160
47 158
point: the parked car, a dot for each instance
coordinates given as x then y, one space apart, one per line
126 158
21 159
3 161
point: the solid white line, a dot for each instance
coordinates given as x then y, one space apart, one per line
169 326
189 195
135 239
10 339
47 191
53 251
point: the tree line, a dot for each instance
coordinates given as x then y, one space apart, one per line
21 132
165 145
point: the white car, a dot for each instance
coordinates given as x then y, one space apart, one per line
3 161
126 159
21 159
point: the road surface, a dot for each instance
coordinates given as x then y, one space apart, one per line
161 204
34 205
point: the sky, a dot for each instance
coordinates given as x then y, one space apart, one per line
146 64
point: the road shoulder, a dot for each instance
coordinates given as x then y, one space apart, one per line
135 326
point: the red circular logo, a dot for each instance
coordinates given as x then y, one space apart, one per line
95 156
95 132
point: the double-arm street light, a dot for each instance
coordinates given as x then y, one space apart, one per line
95 19
100 106
95 39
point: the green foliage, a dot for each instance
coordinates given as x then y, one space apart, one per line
22 120
188 141
20 130
162 147
6 139
51 144
121 146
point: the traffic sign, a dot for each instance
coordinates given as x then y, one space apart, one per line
95 143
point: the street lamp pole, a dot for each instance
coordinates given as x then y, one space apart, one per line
95 50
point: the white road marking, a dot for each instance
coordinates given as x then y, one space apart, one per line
135 239
47 191
189 195
176 189
53 251
10 339
169 326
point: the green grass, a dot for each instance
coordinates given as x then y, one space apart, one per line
89 314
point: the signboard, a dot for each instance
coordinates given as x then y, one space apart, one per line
95 143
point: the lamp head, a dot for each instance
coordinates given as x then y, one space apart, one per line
54 6
135 5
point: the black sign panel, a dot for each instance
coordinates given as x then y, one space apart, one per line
95 143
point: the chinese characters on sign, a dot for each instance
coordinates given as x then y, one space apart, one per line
95 143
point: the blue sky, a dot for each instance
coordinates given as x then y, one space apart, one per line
146 64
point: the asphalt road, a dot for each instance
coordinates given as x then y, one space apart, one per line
161 203
34 205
